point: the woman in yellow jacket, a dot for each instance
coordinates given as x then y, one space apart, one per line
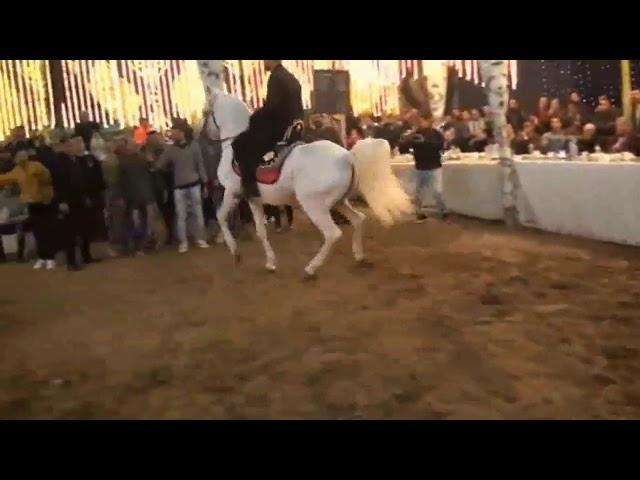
36 190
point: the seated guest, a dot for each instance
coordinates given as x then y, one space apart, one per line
479 142
509 133
514 114
575 100
587 141
555 140
604 118
451 140
368 125
445 123
355 135
535 123
574 119
476 123
527 141
542 113
462 131
322 129
487 115
555 109
627 139
391 132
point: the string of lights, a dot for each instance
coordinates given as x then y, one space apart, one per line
118 92
590 78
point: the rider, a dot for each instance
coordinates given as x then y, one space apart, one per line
268 124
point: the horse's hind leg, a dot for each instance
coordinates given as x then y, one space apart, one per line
356 218
257 210
318 212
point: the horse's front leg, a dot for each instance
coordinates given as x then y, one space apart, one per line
229 202
257 210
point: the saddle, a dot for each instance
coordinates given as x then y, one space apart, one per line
268 172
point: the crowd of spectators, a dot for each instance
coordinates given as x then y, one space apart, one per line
79 189
569 128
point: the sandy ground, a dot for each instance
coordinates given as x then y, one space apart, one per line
454 320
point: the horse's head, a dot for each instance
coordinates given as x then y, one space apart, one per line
212 75
223 115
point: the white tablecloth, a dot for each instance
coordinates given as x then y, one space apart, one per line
596 200
472 188
587 199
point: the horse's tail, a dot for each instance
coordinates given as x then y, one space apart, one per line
377 182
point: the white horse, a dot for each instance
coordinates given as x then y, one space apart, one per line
320 175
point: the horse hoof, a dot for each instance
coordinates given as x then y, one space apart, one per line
237 259
309 277
271 268
364 263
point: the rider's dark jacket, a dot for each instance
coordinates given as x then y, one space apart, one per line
282 106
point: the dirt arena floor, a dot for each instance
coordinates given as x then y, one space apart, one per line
454 320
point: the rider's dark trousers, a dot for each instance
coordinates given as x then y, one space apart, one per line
248 150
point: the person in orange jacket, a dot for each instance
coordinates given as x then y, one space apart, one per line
141 132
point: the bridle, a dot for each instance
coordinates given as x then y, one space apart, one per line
211 113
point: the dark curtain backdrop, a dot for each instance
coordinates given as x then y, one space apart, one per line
558 78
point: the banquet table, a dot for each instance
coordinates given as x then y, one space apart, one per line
592 199
599 200
469 187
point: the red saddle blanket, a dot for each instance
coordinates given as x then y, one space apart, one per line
270 174
267 175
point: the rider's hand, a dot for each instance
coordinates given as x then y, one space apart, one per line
64 208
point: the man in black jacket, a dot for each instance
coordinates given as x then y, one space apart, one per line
514 115
78 185
426 143
268 124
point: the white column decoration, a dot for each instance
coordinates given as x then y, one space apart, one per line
495 77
